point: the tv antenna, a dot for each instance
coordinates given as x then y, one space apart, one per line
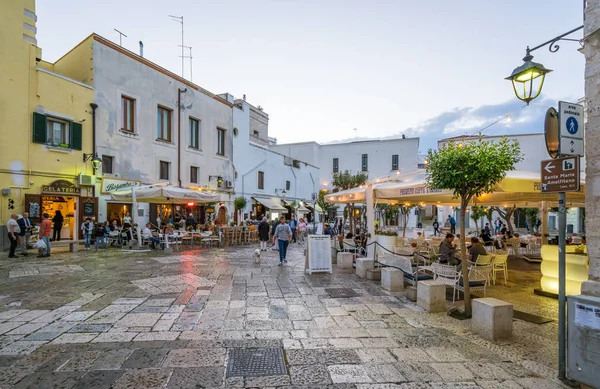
190 57
180 20
355 133
121 35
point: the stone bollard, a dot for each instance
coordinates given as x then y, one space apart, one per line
392 279
345 260
431 296
411 293
362 265
374 274
492 318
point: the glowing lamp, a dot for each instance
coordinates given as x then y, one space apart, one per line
190 204
528 79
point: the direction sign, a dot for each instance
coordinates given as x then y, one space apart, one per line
571 120
571 146
560 175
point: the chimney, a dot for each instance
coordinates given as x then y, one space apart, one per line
141 49
244 97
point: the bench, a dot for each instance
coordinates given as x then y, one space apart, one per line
73 244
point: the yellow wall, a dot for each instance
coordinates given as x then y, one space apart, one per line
26 166
77 63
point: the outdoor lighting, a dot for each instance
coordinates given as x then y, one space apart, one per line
218 178
528 79
96 162
190 204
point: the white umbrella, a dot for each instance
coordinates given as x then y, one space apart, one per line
166 195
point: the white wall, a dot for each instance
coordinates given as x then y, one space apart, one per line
136 157
250 158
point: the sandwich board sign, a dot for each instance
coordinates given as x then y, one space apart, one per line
318 254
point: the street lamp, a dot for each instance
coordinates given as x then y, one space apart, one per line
218 178
96 162
528 79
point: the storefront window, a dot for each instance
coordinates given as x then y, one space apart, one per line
117 211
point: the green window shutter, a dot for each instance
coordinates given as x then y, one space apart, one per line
76 136
39 128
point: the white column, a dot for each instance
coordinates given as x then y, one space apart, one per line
370 217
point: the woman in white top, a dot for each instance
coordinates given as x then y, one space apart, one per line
301 230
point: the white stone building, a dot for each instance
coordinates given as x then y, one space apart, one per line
144 136
269 180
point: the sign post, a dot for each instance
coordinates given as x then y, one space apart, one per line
562 175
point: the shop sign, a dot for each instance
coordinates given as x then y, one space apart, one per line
61 187
110 185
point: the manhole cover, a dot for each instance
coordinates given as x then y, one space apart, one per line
340 293
256 362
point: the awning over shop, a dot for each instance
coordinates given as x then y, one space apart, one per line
302 209
272 203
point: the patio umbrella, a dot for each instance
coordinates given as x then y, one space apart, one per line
166 195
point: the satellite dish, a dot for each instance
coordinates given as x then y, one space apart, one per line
551 133
187 99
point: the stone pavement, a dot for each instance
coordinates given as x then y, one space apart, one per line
211 318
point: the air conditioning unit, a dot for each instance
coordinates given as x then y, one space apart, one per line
87 180
228 184
296 164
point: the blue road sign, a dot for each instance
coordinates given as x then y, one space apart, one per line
572 125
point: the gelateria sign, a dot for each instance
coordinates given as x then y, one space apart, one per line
111 185
61 187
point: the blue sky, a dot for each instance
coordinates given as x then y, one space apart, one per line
321 68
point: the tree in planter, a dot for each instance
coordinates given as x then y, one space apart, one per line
476 214
239 203
346 180
405 212
506 214
324 205
470 169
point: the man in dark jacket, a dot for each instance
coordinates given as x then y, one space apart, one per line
190 221
26 227
263 234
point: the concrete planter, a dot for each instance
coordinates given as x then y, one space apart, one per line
387 241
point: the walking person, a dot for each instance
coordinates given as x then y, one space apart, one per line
100 233
293 225
263 234
301 231
436 228
58 221
283 232
44 234
497 225
86 230
452 222
26 227
13 234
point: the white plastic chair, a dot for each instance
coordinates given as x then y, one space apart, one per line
479 279
446 275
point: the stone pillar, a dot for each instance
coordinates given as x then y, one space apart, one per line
592 145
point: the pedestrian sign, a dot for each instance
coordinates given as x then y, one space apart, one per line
571 120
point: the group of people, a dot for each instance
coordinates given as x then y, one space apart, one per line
101 232
281 234
20 230
447 251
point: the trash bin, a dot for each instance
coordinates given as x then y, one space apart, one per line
569 228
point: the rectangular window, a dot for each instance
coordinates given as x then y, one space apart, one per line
163 124
57 132
220 141
365 162
164 170
194 133
287 185
261 180
395 162
256 133
107 164
194 174
336 165
128 110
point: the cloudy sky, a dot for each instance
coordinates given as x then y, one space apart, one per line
322 68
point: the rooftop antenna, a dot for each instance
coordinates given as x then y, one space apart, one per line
190 57
121 35
180 20
356 133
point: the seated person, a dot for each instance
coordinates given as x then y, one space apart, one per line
476 250
360 242
349 235
150 236
447 251
486 238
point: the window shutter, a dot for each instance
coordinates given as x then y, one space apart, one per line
76 136
39 128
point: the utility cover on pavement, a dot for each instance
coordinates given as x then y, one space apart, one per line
560 175
255 362
340 293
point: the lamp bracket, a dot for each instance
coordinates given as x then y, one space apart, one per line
553 47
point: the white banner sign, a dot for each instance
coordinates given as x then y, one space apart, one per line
110 185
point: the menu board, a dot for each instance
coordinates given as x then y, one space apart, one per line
318 255
88 210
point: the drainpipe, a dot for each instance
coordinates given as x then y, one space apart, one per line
179 92
94 106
